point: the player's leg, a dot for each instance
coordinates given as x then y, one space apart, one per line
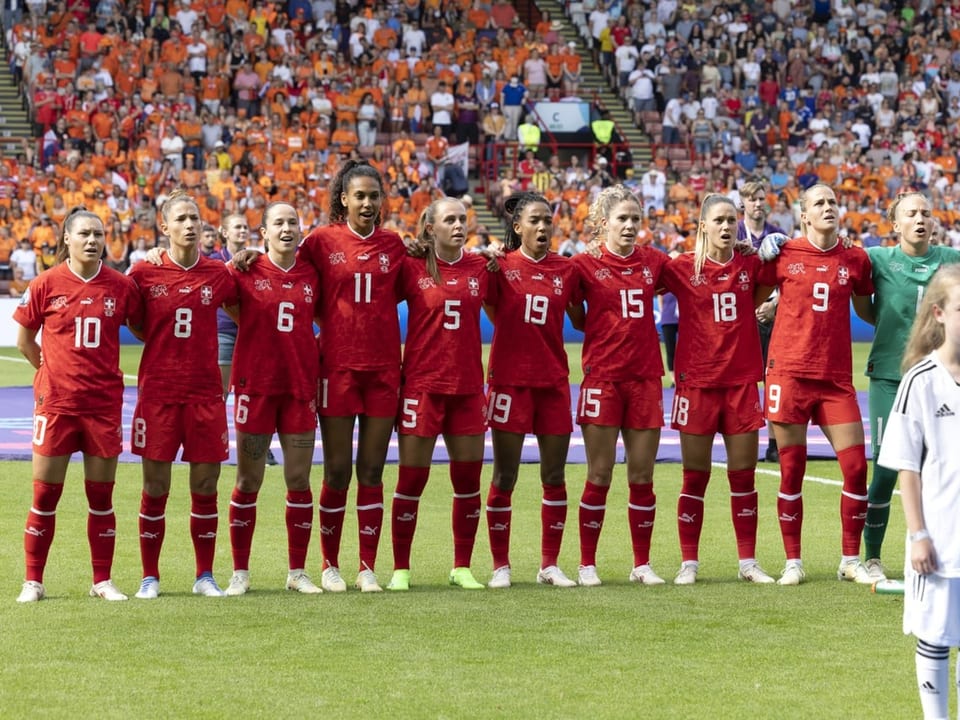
337 438
204 522
49 473
416 455
466 466
792 443
373 441
847 442
100 474
641 451
153 522
697 454
600 445
553 505
298 449
251 463
507 449
884 480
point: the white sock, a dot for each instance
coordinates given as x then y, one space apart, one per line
933 679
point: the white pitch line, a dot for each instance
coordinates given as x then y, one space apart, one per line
811 478
24 360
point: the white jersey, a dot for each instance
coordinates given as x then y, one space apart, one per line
921 436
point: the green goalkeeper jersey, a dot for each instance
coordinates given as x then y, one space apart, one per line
899 282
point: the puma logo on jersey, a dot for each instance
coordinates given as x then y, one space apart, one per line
87 301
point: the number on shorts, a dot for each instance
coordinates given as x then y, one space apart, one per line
242 409
821 293
86 332
590 403
362 287
182 324
724 307
451 311
773 398
409 412
499 408
681 406
631 302
535 312
139 433
285 317
39 429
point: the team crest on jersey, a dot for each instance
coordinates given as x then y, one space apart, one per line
557 285
109 306
206 294
512 275
158 291
337 258
843 275
603 274
647 275
796 269
474 285
58 303
384 263
262 285
307 292
425 283
896 267
743 278
696 280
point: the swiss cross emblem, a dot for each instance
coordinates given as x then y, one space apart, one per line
843 274
474 285
109 306
743 277
647 275
206 294
384 262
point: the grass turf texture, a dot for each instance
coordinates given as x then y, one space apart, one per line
721 648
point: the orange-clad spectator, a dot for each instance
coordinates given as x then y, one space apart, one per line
214 12
946 160
421 197
289 177
170 81
827 172
503 15
224 188
344 138
399 169
89 41
295 136
77 121
418 107
384 37
404 147
437 146
64 68
192 178
174 50
72 194
7 245
103 120
42 232
90 186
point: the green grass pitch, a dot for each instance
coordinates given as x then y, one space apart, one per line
720 649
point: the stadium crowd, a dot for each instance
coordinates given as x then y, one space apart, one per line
243 101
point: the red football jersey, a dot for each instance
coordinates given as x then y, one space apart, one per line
718 344
620 337
359 327
443 351
179 363
276 351
811 337
81 320
530 298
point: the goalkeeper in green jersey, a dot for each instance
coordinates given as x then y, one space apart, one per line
900 276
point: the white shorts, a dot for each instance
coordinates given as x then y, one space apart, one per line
931 609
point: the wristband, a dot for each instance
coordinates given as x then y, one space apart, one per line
919 535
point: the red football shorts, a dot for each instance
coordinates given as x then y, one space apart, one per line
796 401
160 429
266 414
728 410
98 435
540 410
631 404
373 393
430 414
